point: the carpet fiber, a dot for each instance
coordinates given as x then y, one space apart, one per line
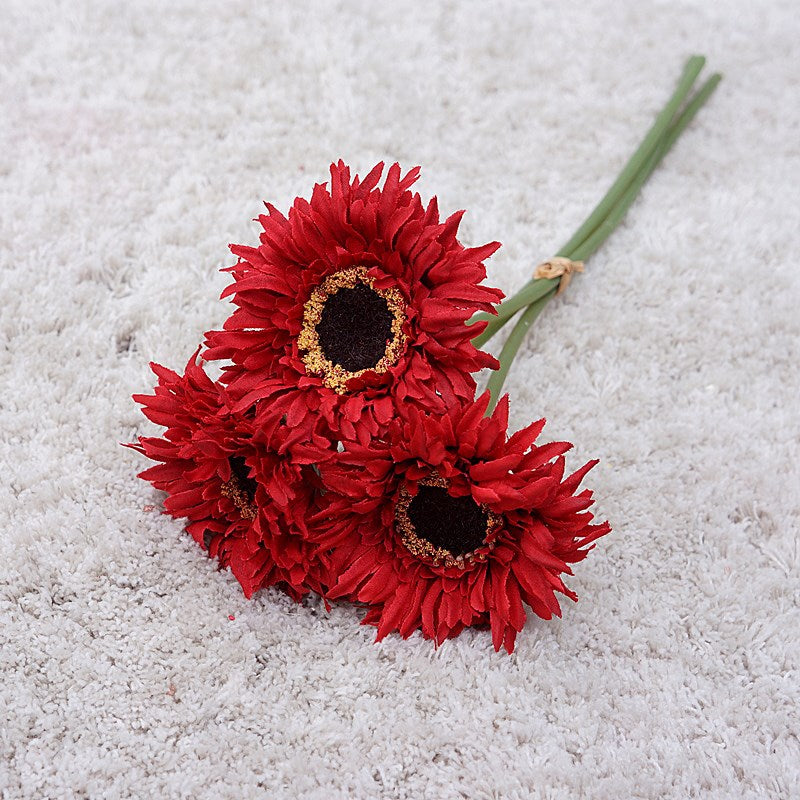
137 141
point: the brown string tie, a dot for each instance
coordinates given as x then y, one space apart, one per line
558 267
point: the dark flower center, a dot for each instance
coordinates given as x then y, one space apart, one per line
350 327
355 327
241 472
241 488
456 524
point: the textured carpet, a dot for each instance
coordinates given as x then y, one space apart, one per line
136 142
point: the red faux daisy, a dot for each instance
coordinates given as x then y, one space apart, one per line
352 305
447 523
246 504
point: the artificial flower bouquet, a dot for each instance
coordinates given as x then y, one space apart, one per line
344 450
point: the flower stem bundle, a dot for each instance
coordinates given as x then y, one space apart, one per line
600 224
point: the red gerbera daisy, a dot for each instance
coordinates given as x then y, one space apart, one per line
246 504
446 523
354 303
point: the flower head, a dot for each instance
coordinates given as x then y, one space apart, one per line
352 305
245 503
446 523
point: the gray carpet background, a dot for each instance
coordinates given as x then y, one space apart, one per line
138 140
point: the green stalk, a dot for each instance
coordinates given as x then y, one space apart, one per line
690 110
530 292
510 348
598 236
607 226
690 73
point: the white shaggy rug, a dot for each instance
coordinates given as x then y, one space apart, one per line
137 140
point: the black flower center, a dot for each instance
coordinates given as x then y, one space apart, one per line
241 488
456 524
241 472
350 327
355 327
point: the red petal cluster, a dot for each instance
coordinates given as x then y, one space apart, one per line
404 246
545 524
204 441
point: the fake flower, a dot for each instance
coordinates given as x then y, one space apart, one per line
448 523
246 505
343 451
352 305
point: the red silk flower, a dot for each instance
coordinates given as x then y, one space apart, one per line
351 306
343 450
447 523
245 504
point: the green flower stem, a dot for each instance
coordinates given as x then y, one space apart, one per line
690 73
615 216
597 237
512 344
530 292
